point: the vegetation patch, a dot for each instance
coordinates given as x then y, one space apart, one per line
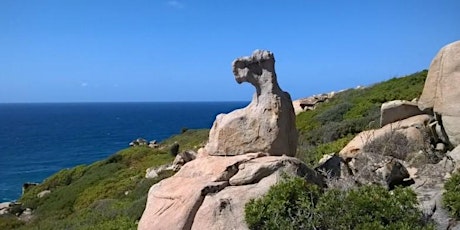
451 196
108 194
351 112
295 204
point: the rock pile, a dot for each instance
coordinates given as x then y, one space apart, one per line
247 152
310 103
143 142
427 129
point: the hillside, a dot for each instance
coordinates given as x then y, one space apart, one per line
108 194
111 194
332 125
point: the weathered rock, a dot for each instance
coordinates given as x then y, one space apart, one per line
154 172
4 207
373 168
441 93
183 158
225 210
310 103
330 165
138 142
454 155
397 110
414 128
26 215
429 183
153 144
209 191
267 124
43 193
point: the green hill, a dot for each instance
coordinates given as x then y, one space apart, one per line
111 194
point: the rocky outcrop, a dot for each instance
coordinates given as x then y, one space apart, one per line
210 192
414 128
441 93
397 110
248 151
310 103
267 124
182 158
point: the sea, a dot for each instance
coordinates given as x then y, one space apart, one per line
39 139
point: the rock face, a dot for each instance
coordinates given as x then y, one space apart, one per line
397 110
210 192
441 93
414 128
267 124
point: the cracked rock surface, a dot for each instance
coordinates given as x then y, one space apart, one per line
210 192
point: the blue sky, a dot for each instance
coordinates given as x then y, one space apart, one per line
139 50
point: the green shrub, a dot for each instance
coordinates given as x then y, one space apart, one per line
370 206
65 177
287 205
334 113
294 204
451 196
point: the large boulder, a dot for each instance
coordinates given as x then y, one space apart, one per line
441 92
414 129
210 192
397 110
267 124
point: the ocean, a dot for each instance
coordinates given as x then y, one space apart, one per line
37 140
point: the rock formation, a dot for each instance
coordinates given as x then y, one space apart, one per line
248 151
210 192
397 110
441 93
414 128
310 103
267 124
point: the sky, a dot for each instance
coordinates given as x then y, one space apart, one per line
182 50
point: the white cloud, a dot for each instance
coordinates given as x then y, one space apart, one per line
175 4
83 84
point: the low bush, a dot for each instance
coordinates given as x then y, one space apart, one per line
295 204
368 206
287 205
451 196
